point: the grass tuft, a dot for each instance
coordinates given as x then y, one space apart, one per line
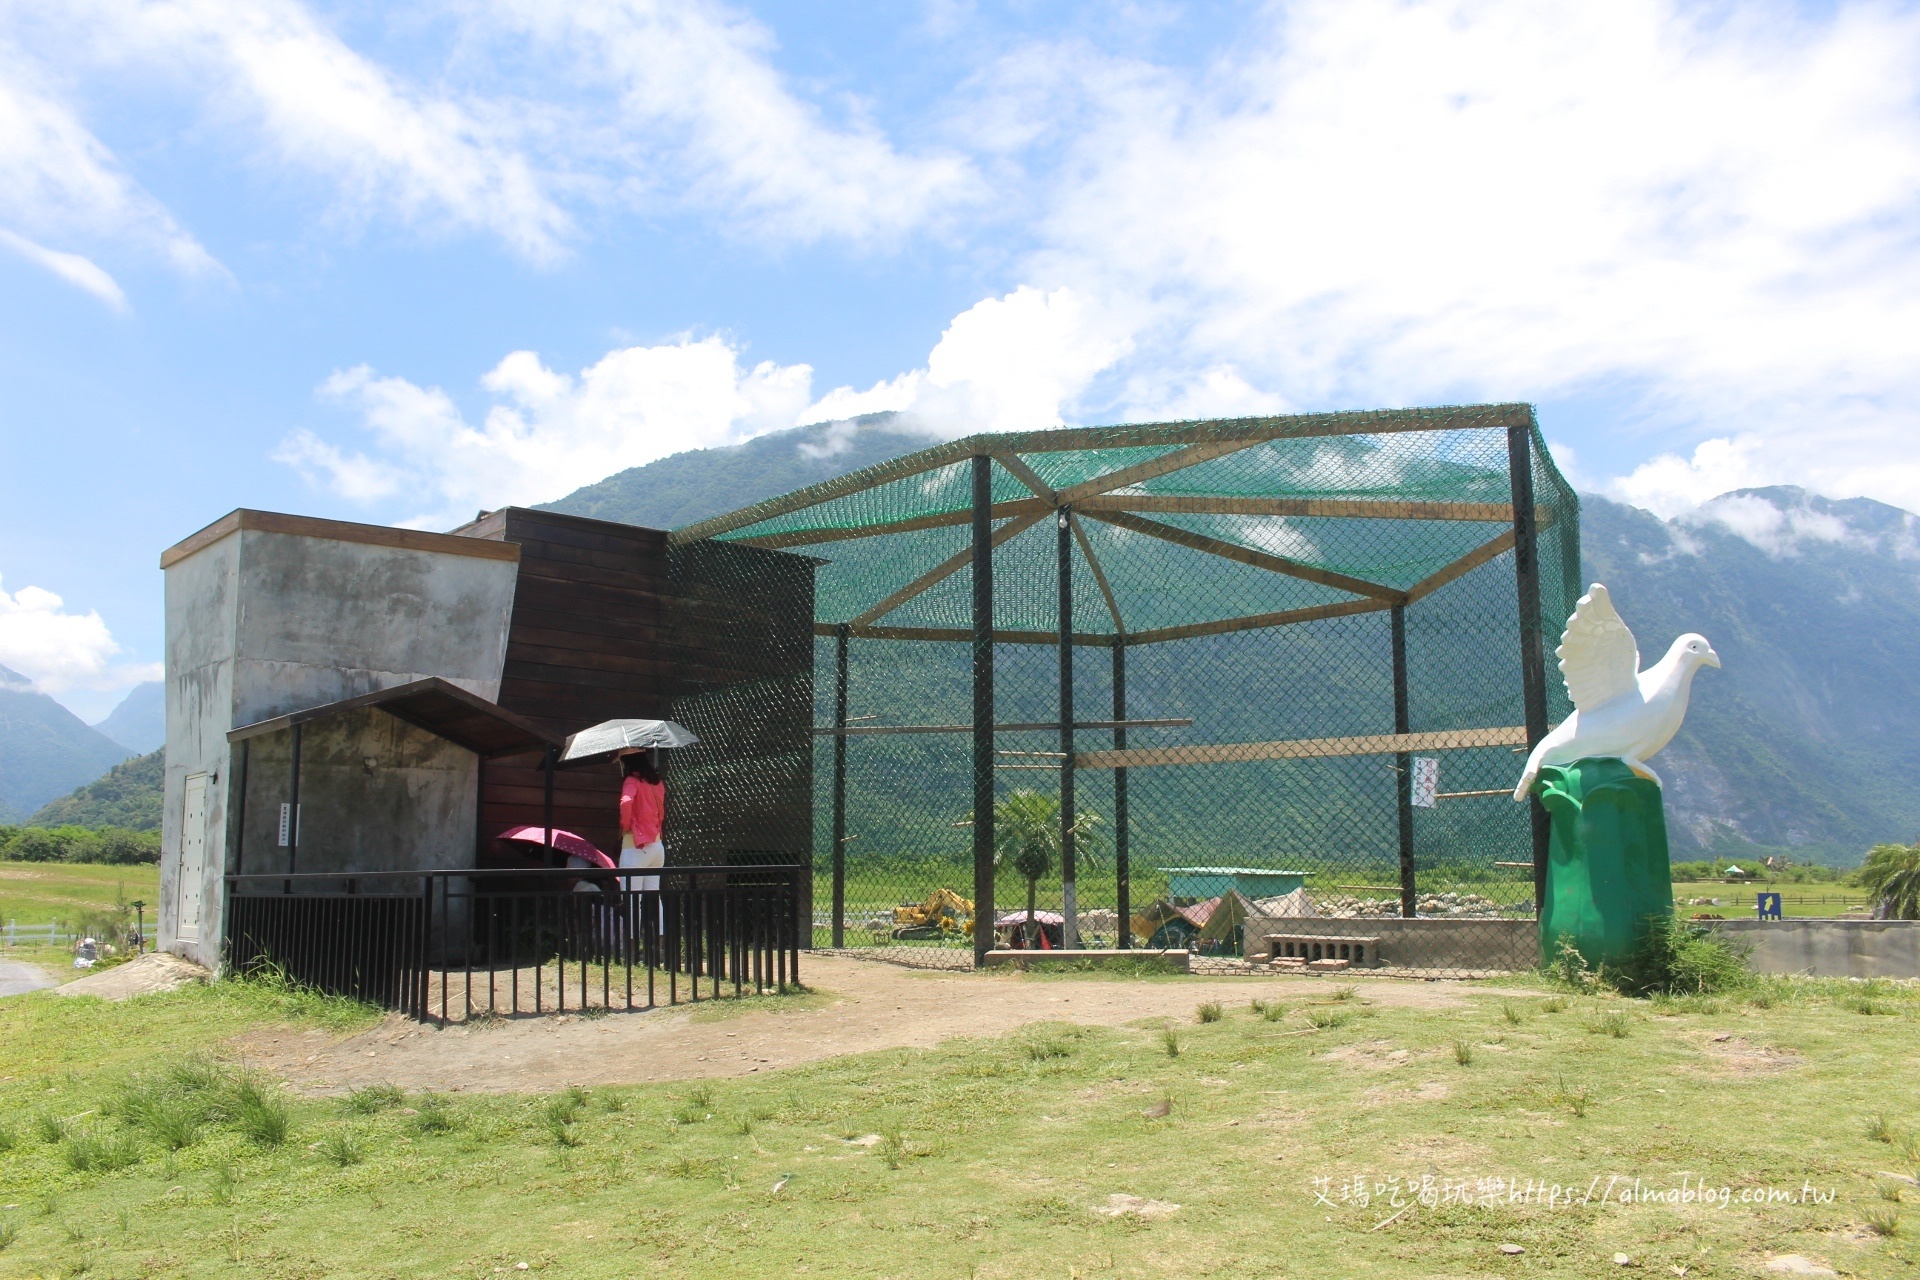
375 1098
1328 1019
1883 1222
1512 1013
1208 1012
1462 1052
342 1148
260 1113
1170 1041
50 1128
1880 1129
8 1234
1274 1012
434 1116
94 1153
1614 1022
1344 993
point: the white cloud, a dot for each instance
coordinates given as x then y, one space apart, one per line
546 433
696 114
59 181
1779 531
1669 485
76 270
62 652
1016 362
1013 363
1401 201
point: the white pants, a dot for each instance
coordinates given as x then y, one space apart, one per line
648 855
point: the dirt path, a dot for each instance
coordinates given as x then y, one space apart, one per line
860 1006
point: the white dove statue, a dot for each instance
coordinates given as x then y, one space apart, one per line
1618 709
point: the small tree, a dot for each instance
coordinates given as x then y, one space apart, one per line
1891 874
1026 837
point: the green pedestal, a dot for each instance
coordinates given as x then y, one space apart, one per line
1607 868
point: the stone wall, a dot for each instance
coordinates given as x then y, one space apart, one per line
1829 948
1455 947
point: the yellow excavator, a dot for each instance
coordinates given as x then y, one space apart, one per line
943 914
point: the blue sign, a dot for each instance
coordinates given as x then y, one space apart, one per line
1769 905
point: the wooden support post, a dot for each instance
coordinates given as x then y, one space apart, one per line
1403 762
1122 872
546 809
1533 654
983 914
840 787
1069 886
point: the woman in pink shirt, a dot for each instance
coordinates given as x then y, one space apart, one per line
643 811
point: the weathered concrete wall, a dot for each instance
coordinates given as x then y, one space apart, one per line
262 622
320 620
201 599
376 794
1827 948
1451 945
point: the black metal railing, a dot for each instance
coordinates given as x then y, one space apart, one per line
455 945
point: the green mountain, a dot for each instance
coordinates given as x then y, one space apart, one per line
139 723
45 750
1803 743
1805 740
129 797
699 483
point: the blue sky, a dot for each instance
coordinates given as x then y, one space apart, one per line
397 264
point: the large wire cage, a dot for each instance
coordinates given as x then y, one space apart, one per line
1182 659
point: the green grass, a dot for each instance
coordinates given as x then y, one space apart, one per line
39 892
984 1157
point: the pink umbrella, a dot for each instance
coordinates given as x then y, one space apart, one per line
565 841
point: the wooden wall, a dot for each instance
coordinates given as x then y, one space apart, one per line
608 622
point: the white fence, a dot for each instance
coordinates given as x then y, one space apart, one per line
44 934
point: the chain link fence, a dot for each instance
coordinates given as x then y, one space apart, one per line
1251 680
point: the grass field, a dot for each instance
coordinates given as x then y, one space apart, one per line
38 892
1737 900
1294 1140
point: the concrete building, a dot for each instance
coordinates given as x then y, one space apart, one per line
355 698
270 614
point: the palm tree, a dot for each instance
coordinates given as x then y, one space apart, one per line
1891 874
1026 836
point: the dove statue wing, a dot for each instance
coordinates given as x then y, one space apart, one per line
1598 655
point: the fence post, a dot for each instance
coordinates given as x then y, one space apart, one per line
1403 763
839 786
983 711
1069 895
1122 872
1533 660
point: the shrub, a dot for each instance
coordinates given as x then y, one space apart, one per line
116 846
1678 958
1891 874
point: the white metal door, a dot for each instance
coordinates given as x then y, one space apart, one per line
193 855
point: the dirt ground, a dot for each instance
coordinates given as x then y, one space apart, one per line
857 1006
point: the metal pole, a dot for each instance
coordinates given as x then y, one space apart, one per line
1403 762
546 819
1533 655
982 708
1122 873
1069 895
840 786
293 810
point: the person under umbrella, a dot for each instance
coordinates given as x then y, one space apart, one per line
643 814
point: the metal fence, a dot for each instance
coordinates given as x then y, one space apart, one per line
1060 666
451 946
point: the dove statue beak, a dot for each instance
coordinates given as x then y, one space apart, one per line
1711 660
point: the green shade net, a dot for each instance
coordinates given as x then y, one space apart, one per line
1389 500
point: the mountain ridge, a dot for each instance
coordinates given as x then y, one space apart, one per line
1783 755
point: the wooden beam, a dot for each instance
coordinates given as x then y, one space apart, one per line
1318 508
1225 626
1460 568
338 531
1249 556
1025 475
944 570
1167 463
935 520
1099 576
1382 744
1230 433
873 477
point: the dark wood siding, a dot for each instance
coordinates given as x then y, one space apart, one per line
609 622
